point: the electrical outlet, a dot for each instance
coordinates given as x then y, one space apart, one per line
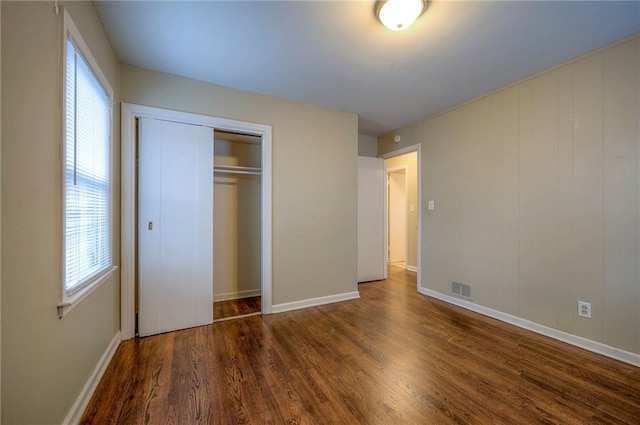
584 309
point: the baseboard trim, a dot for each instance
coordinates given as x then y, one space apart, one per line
412 269
578 341
237 295
313 302
240 316
77 409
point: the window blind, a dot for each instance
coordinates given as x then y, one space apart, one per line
87 219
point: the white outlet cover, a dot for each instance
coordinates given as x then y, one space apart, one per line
584 309
431 205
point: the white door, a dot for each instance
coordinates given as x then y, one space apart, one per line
175 226
397 217
371 250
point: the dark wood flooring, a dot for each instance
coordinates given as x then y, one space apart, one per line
233 308
391 357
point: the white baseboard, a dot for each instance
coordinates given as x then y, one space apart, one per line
237 295
312 302
412 268
578 341
76 411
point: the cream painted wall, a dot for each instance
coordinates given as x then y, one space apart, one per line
314 177
537 196
367 146
45 360
410 160
236 222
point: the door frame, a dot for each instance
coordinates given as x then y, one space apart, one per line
408 149
405 171
130 112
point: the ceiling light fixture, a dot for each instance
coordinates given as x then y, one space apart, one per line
399 14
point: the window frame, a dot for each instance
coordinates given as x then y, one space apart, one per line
69 299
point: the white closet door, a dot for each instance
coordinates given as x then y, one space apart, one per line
175 226
371 250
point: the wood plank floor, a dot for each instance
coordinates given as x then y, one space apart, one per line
232 308
391 357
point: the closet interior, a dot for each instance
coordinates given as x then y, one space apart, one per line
237 224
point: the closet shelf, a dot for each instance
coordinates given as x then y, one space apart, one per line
236 169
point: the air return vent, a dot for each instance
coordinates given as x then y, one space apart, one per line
461 289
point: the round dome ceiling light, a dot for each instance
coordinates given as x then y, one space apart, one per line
399 14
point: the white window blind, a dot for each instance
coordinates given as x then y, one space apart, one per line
87 218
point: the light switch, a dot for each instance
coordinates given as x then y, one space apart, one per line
431 205
412 208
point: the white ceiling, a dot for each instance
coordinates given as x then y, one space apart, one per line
337 55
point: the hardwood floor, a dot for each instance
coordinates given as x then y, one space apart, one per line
232 308
391 357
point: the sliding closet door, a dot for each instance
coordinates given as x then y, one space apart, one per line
175 226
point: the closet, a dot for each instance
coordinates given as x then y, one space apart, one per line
237 188
199 225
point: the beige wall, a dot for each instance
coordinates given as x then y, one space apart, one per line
410 160
45 360
367 146
314 177
537 197
236 222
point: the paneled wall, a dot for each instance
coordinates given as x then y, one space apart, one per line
537 197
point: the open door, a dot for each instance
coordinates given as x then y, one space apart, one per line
371 249
175 226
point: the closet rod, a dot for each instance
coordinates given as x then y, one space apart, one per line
252 173
236 168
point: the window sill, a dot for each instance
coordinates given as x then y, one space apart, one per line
70 302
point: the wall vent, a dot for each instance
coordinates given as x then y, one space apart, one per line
461 289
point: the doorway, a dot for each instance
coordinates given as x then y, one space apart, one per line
402 212
397 216
236 223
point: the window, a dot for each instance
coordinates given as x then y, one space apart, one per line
87 172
